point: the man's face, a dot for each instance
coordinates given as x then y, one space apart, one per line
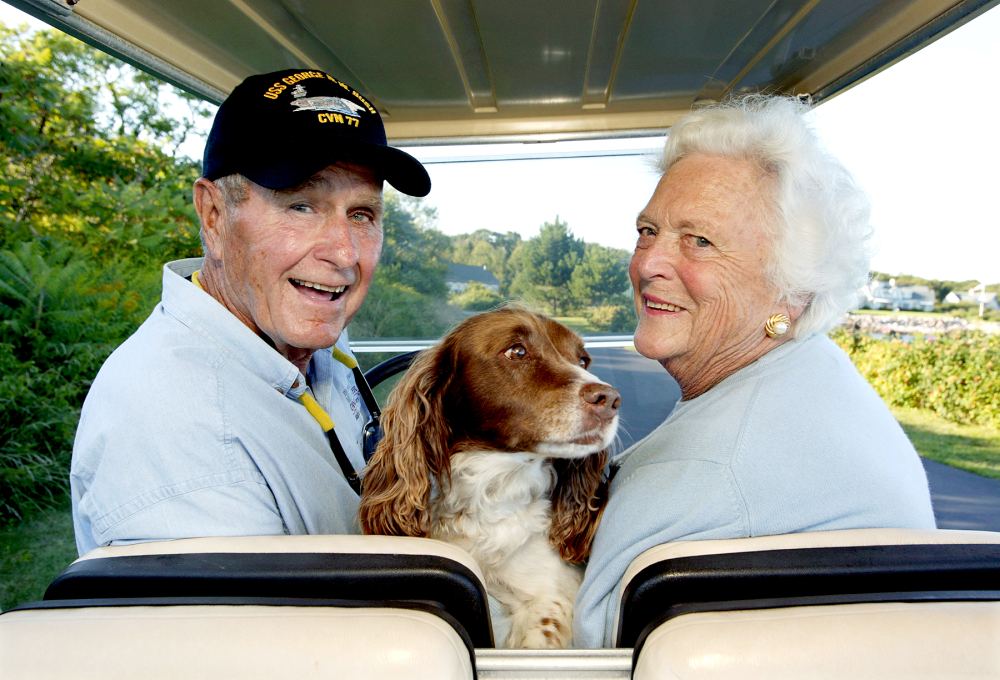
296 264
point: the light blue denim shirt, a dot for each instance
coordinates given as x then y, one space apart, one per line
193 427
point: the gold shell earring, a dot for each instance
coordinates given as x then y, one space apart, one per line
777 325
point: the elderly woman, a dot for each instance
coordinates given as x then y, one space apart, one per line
753 245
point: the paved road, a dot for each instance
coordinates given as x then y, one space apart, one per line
962 500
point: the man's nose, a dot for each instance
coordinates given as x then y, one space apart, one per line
337 242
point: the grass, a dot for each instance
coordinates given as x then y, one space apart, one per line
975 448
577 323
34 552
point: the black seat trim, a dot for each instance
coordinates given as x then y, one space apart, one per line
414 581
805 576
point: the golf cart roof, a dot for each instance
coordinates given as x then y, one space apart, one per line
557 69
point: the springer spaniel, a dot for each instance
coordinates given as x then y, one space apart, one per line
495 440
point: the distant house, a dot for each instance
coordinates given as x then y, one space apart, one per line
459 277
974 296
887 295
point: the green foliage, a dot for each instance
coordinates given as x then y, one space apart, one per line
612 318
601 278
487 249
395 310
476 298
87 153
92 200
554 270
412 252
38 417
545 265
954 376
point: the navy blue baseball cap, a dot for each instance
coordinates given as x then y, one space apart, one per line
279 129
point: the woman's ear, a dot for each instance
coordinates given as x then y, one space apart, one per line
211 209
795 310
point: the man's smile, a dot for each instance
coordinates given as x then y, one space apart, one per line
318 290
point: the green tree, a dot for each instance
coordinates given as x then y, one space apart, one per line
87 153
92 199
545 266
601 278
413 253
489 249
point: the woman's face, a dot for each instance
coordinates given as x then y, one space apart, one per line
698 271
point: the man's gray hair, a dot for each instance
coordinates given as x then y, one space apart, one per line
234 189
820 230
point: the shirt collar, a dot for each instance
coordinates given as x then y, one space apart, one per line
207 316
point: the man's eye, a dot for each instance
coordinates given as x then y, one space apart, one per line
702 242
301 207
516 351
361 216
646 237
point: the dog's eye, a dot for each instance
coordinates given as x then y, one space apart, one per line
585 361
516 351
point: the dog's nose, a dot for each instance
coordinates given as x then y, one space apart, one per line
602 399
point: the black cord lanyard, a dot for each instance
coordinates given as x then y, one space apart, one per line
372 431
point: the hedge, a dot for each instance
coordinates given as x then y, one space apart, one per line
956 376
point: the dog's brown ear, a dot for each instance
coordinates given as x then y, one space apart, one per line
578 500
396 486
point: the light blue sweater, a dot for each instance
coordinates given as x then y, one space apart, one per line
796 441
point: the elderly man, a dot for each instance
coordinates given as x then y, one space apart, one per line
237 407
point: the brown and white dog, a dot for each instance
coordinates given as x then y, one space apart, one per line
495 440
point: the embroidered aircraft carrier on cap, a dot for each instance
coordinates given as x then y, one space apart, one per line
278 129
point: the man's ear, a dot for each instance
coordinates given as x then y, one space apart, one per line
211 209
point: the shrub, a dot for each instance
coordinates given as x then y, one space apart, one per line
956 376
38 414
476 298
612 318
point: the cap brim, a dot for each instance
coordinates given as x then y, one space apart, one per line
404 172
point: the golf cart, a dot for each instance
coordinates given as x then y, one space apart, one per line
860 603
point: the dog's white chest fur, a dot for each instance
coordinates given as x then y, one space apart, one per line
494 503
497 508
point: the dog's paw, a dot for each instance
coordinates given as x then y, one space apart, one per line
544 633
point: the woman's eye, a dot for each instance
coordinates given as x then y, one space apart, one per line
702 242
516 351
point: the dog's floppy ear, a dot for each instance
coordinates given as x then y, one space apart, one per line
396 486
578 499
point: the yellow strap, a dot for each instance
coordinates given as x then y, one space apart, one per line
316 411
344 358
312 406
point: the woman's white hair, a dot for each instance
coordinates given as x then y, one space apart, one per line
820 230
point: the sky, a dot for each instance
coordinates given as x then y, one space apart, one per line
921 138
